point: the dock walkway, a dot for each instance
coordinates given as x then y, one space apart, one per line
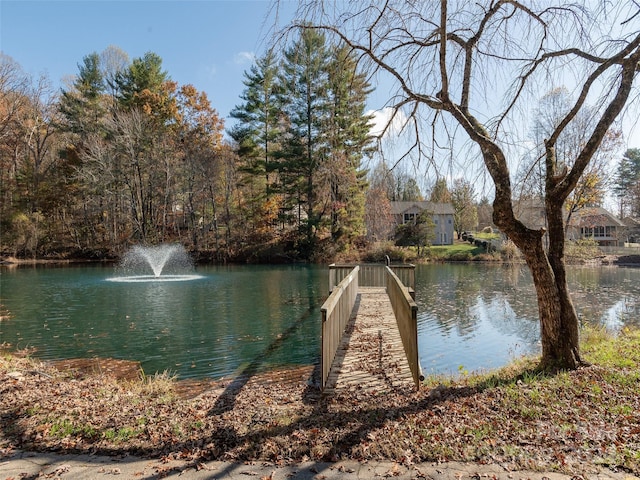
371 355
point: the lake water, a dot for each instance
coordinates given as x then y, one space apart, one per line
471 316
480 316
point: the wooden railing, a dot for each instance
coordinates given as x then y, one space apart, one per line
406 313
373 275
335 316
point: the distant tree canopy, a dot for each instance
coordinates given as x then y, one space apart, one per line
440 192
465 216
590 188
627 184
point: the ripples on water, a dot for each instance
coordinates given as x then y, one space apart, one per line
153 278
213 323
251 317
474 317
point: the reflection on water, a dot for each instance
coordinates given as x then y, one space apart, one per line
472 316
608 296
207 326
480 316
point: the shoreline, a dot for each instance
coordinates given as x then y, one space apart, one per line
10 261
632 260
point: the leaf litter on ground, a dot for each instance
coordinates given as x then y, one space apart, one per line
575 422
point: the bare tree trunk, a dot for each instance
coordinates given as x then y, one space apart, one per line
558 318
214 221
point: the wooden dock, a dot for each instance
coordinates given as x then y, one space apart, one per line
370 356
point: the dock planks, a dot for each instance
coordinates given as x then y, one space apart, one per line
370 357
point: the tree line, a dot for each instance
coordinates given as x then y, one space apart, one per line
123 154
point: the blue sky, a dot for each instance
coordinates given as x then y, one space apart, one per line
206 43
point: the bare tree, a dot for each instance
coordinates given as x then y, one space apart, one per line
113 61
378 215
473 68
14 85
465 212
14 100
590 188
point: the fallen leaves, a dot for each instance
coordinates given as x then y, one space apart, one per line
110 471
554 423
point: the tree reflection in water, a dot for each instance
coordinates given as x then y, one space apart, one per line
479 316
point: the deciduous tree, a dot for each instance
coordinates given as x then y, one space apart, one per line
590 188
199 141
419 234
465 213
378 215
475 66
14 85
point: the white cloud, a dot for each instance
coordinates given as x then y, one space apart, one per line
211 71
242 58
385 119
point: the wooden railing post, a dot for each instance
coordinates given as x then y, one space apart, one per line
336 311
406 313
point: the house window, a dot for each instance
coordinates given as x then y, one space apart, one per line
598 232
409 218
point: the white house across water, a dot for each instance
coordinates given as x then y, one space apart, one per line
441 214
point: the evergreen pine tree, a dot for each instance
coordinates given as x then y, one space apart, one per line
626 184
257 132
440 192
83 106
305 81
145 86
349 139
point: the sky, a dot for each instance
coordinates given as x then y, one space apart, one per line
206 43
209 44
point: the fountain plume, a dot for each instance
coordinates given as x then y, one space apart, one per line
163 262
